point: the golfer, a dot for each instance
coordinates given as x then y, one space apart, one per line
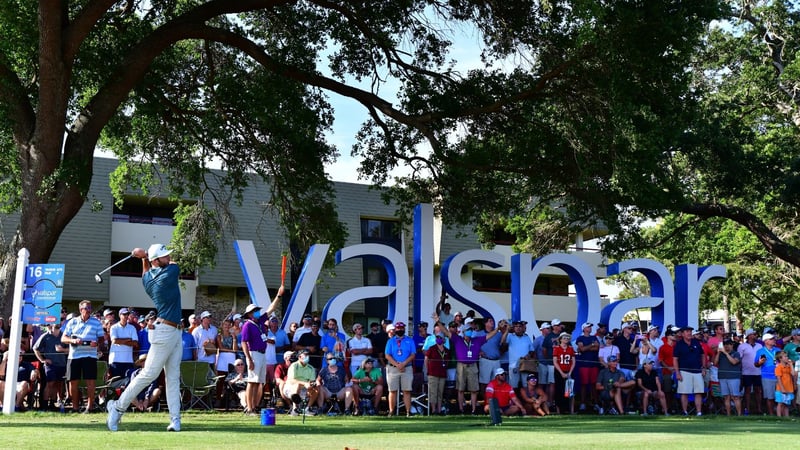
160 279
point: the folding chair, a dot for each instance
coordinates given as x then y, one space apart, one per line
102 385
197 383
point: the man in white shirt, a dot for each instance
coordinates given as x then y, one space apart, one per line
124 340
359 347
205 336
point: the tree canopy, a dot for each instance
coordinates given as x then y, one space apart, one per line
587 113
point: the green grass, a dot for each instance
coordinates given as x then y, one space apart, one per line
215 430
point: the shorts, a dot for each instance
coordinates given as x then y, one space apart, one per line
259 372
515 377
436 388
768 387
588 375
54 373
691 383
81 369
751 381
784 398
397 380
547 374
467 377
730 387
487 368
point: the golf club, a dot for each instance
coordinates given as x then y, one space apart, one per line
98 276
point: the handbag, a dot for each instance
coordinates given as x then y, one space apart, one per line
528 365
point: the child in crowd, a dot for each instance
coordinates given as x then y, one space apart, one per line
784 390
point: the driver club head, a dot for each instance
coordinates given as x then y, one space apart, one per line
98 278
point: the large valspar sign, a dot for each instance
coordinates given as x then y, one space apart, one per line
672 302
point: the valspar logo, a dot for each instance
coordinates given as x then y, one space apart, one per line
672 302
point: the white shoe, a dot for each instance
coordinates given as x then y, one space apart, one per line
174 424
114 416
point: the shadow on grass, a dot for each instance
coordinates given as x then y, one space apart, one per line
343 426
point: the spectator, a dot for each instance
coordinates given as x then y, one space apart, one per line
419 341
467 351
437 359
587 364
564 364
793 346
785 386
368 382
51 353
649 347
292 330
665 353
520 346
400 352
333 381
729 365
277 343
504 394
254 347
607 351
333 341
443 309
148 398
189 346
765 360
359 348
301 375
83 334
610 384
544 353
689 361
194 322
227 347
649 384
237 381
534 399
311 342
308 321
281 370
205 338
124 340
25 379
144 340
751 375
491 351
628 345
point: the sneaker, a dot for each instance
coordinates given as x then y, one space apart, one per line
582 407
114 415
699 414
613 411
294 412
600 410
174 424
685 413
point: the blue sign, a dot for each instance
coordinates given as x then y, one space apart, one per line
42 296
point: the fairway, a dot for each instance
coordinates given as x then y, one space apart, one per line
215 430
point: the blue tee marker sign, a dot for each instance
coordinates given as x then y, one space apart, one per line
42 296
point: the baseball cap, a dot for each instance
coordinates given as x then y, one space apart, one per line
587 324
531 376
191 317
157 251
609 336
287 354
274 318
544 325
686 327
389 327
124 311
612 358
422 325
648 361
108 311
237 316
308 317
602 325
651 328
555 322
468 320
749 332
564 334
205 314
626 325
796 332
303 352
499 371
767 336
399 325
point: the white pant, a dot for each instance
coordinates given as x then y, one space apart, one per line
165 353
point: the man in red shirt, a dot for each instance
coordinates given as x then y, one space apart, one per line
667 366
504 393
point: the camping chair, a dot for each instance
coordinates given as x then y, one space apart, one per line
102 385
198 384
